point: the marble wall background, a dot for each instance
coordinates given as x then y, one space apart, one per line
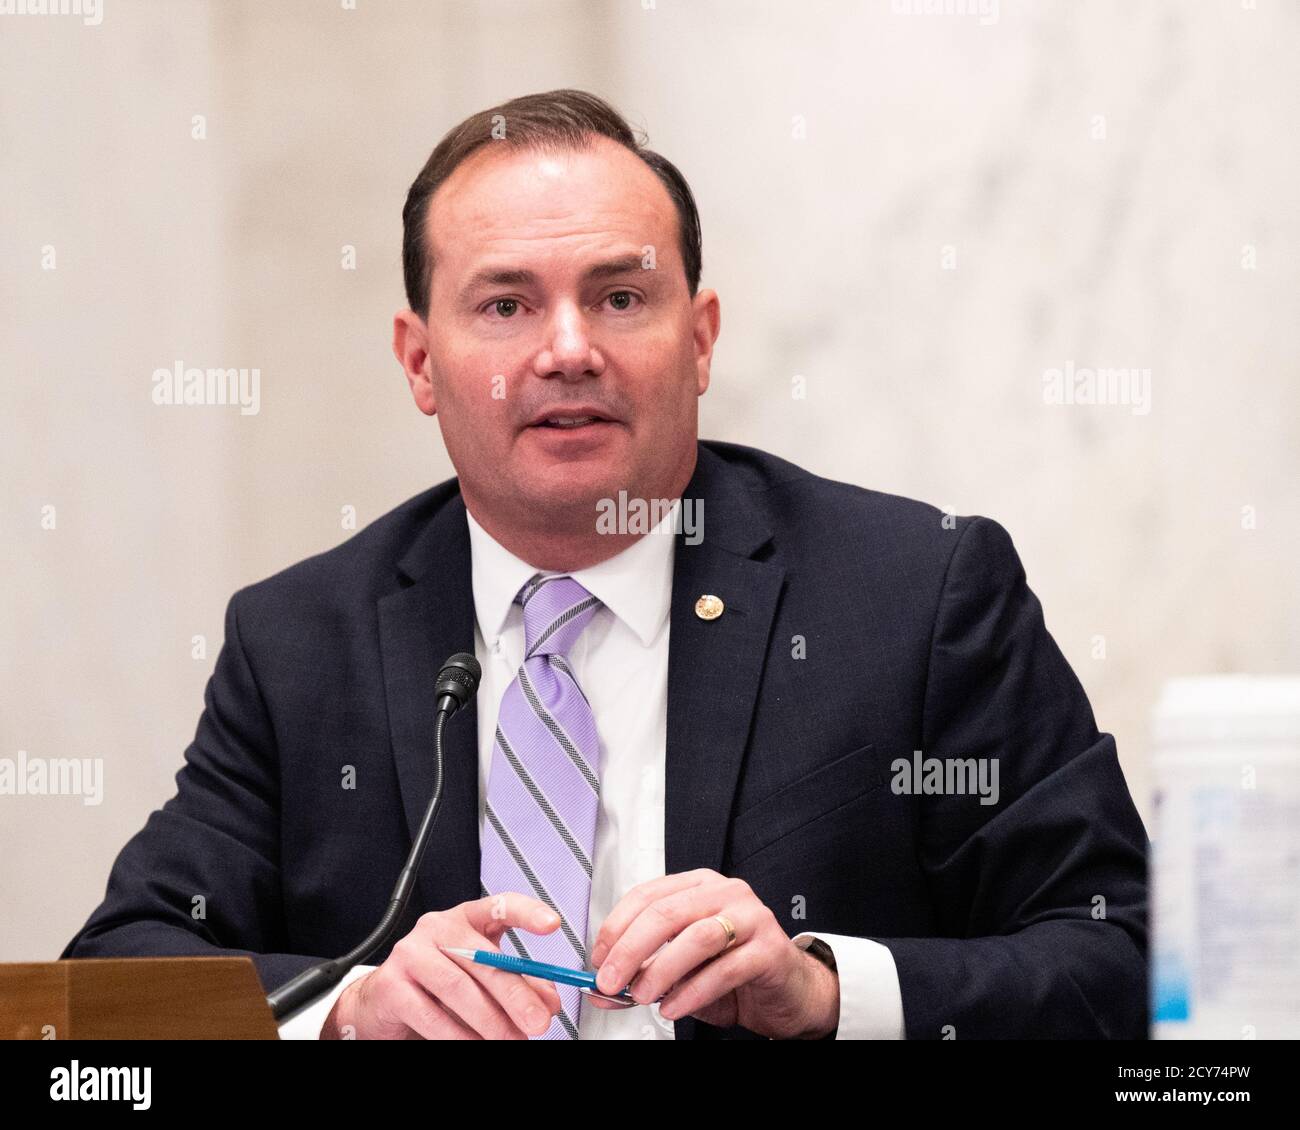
918 214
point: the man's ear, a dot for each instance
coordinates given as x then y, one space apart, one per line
411 348
706 312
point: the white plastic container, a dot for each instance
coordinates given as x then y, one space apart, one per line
1225 944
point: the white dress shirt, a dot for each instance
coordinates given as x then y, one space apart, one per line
621 663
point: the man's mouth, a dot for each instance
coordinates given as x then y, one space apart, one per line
570 418
569 421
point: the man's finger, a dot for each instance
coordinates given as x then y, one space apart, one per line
546 990
445 979
457 986
492 915
635 901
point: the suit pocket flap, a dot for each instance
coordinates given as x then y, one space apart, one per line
803 801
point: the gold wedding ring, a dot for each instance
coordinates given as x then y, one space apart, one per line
731 930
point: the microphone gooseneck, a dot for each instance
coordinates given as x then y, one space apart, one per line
456 685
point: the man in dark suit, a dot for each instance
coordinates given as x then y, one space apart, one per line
846 786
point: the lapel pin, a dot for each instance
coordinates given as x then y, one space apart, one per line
709 607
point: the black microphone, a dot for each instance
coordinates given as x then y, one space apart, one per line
457 682
455 687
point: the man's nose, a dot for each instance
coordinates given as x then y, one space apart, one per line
567 349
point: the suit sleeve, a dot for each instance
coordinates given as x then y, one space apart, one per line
202 878
1040 899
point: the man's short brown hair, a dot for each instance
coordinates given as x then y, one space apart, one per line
559 119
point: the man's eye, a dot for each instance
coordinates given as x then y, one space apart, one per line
622 299
506 307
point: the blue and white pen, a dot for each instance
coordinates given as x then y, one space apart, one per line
586 981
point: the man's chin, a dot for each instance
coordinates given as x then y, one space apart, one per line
570 494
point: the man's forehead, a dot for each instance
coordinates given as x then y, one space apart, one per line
499 199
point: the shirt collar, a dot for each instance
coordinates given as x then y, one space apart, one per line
635 584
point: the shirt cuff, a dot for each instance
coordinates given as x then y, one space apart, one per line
307 1024
871 1000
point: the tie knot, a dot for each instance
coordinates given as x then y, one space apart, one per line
556 610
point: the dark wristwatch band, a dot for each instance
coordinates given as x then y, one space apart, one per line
822 952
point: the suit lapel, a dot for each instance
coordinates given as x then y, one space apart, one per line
714 669
419 627
714 666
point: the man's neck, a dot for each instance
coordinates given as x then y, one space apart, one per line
557 551
555 544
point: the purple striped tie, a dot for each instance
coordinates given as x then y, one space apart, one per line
544 787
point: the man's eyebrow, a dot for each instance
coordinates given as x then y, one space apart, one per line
506 276
624 265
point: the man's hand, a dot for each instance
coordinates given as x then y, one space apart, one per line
419 992
762 981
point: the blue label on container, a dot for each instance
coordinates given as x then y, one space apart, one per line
1170 989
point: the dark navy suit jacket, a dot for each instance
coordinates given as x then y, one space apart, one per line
859 627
